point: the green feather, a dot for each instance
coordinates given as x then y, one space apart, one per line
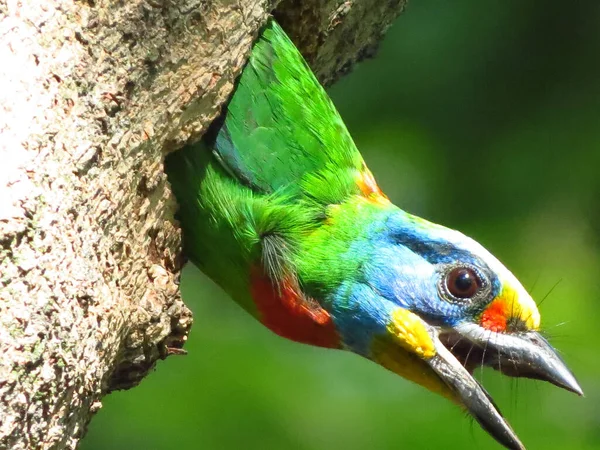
282 132
256 193
281 202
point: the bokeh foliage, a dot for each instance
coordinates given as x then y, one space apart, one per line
483 116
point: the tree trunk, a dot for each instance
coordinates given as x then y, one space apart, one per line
94 94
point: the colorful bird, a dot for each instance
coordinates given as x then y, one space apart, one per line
278 207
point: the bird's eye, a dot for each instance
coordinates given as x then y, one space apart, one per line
463 282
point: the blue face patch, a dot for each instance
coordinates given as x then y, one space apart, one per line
410 261
403 264
430 241
359 314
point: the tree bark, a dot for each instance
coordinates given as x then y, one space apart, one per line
94 94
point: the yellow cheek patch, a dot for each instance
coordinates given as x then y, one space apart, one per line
512 310
405 351
410 333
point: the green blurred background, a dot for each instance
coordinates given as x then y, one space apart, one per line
485 117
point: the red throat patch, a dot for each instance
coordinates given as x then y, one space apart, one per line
290 314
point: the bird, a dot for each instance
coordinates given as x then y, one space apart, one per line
278 207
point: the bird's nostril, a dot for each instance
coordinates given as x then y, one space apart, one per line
516 324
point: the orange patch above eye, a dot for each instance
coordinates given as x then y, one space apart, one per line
495 316
368 186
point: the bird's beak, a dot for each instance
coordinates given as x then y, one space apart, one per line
451 354
526 354
471 394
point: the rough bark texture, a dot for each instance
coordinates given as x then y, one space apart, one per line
93 95
334 35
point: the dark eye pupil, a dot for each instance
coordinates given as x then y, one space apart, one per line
463 282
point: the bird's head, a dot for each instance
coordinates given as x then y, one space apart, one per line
432 304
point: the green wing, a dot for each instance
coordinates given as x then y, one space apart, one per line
282 132
249 197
